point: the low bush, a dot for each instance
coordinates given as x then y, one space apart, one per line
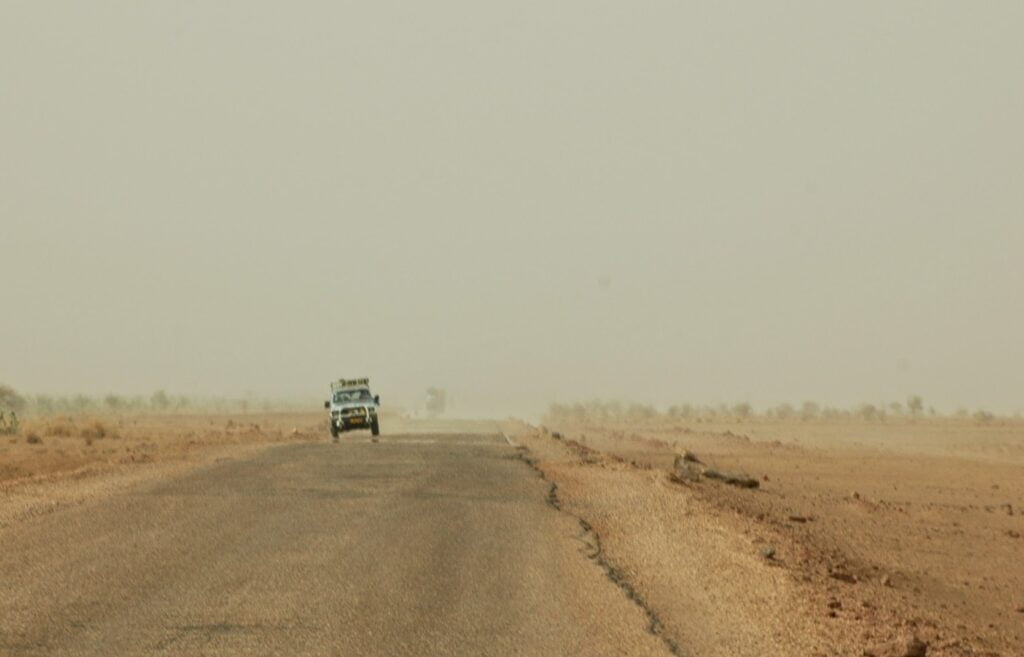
61 428
94 431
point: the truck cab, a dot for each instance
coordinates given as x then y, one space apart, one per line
353 406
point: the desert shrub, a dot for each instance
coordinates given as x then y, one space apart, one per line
94 431
784 411
683 411
9 424
10 400
743 410
641 412
869 412
33 439
809 411
60 428
915 405
437 401
830 413
159 401
983 417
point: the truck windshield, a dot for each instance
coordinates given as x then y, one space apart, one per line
343 396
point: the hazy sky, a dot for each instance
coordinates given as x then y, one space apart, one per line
522 201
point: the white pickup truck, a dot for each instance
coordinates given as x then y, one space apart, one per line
352 406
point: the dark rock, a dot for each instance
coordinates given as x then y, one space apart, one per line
687 455
685 469
843 576
732 478
902 647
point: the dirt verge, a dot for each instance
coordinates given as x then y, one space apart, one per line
797 567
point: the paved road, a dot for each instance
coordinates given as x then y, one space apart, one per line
417 545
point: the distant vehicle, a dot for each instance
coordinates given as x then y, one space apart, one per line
353 406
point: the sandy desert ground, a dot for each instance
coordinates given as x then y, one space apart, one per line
860 537
886 539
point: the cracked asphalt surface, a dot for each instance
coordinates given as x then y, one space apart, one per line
437 544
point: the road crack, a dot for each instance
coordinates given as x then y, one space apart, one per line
614 574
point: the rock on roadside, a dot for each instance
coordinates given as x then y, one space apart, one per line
687 467
902 647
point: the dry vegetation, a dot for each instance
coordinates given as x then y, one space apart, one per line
47 436
158 402
69 445
913 408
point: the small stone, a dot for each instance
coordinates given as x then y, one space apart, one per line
732 478
687 455
916 648
843 576
768 552
855 495
903 647
886 580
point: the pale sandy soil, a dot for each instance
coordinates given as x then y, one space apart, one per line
878 531
59 461
56 462
55 446
50 448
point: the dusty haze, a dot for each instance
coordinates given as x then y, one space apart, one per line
519 202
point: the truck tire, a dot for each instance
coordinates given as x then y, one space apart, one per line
334 429
375 427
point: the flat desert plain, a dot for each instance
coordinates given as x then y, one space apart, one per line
862 537
893 539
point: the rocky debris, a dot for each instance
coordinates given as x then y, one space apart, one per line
886 580
902 647
843 576
768 552
688 456
732 478
687 467
800 519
